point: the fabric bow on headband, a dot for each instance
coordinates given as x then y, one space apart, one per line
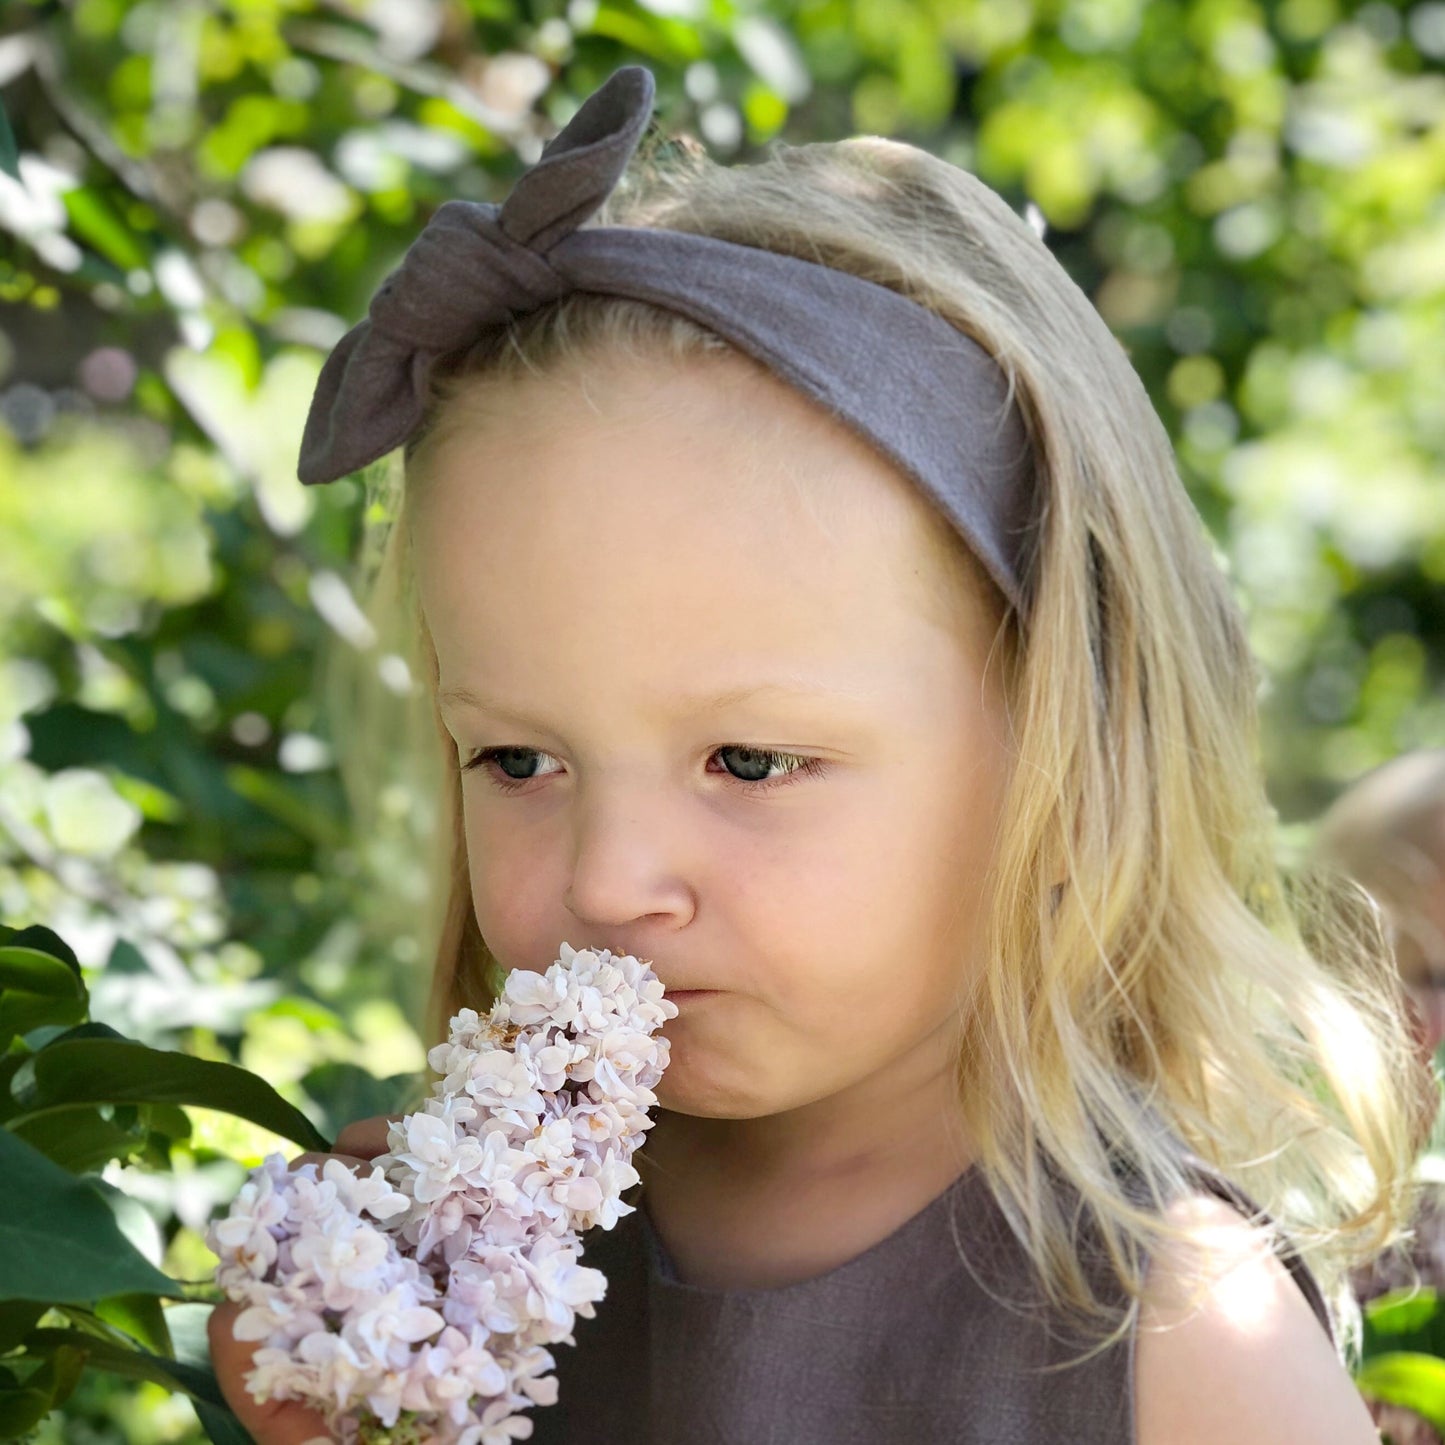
932 400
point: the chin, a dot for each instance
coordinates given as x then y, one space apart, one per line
676 1094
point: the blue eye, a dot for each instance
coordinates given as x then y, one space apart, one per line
490 759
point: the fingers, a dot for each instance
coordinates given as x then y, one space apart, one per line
366 1137
274 1422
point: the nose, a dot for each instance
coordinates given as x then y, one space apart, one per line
624 864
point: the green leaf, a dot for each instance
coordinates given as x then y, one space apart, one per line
344 1093
220 1425
112 1071
10 1065
284 802
141 1316
1404 1319
166 1119
35 1040
93 220
21 1012
59 1241
35 972
135 1364
66 1365
17 1319
1402 1377
37 988
87 1030
80 1140
187 1323
42 939
132 1218
22 1408
671 42
9 150
155 803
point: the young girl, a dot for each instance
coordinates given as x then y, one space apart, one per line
809 604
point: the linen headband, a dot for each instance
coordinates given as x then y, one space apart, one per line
931 399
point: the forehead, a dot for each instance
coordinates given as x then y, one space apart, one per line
651 500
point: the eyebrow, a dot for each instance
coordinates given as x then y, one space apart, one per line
683 706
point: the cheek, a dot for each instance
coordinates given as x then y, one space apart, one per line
958 872
511 889
901 894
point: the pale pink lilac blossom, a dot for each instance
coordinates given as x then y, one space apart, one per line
416 1302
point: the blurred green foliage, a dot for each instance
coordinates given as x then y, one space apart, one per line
197 199
81 1289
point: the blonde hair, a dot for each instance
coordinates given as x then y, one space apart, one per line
1179 972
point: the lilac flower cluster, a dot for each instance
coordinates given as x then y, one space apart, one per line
415 1303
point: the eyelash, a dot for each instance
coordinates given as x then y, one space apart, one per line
806 767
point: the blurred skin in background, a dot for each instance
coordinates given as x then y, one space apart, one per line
1387 831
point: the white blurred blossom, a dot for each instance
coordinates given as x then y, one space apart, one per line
85 815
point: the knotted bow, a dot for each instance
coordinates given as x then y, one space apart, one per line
930 398
475 265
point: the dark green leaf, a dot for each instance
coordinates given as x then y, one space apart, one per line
32 971
167 1119
37 988
137 1364
9 150
282 799
132 1218
187 1324
22 1408
345 1093
59 1241
21 1012
87 1030
42 940
66 1364
80 1140
220 1425
10 1065
112 1071
17 1318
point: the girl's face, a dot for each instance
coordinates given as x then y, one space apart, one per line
720 704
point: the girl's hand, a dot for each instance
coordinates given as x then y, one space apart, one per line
284 1422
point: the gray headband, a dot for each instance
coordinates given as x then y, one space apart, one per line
932 400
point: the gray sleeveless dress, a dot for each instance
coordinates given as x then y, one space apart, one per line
906 1344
